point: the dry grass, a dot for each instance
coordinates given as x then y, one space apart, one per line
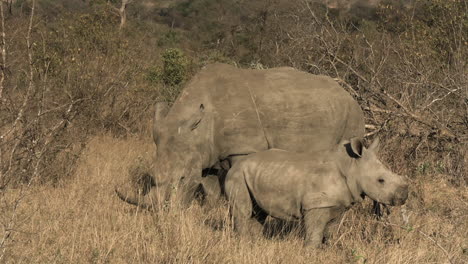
82 221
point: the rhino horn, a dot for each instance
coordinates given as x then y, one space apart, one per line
145 202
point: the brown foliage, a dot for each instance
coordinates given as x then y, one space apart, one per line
69 74
405 64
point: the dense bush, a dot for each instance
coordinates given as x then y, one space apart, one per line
174 67
72 73
81 79
405 64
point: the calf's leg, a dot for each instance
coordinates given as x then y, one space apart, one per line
241 205
315 221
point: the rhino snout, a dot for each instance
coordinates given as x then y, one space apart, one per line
401 194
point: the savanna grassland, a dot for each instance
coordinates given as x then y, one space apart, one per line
77 88
81 221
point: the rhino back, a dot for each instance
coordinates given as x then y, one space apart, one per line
283 108
304 112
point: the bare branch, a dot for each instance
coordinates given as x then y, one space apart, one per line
2 77
375 128
350 88
31 76
121 11
440 98
374 108
8 228
3 50
48 140
407 111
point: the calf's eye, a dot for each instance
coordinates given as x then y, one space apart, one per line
381 181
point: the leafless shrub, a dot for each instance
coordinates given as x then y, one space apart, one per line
413 92
122 12
52 97
77 77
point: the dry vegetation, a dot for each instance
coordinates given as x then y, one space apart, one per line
81 221
76 93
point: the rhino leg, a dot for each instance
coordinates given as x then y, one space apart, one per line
186 192
315 221
211 189
241 206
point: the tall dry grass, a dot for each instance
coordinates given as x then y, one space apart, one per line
82 221
408 73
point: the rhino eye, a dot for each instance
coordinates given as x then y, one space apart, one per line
382 181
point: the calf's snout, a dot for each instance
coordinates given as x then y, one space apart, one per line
401 194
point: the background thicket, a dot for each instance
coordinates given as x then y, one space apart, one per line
72 73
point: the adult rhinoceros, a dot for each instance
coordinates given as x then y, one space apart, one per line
225 112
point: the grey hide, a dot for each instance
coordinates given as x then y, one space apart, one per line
313 187
225 112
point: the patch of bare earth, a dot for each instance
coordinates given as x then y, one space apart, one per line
82 221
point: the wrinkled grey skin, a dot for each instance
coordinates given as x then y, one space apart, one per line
226 112
313 187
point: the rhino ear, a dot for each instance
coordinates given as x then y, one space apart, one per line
198 118
357 146
375 145
160 111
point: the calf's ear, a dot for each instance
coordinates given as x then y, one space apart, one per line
375 145
357 146
160 111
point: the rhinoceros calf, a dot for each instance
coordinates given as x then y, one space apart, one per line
313 187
